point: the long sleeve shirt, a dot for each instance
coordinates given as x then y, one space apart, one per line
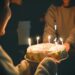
23 68
64 18
46 67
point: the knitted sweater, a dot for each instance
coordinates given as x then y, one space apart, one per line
65 21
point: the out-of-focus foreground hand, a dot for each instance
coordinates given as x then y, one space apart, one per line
67 46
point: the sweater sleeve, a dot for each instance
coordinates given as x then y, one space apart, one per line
7 63
49 23
71 37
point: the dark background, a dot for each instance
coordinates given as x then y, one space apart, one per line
33 10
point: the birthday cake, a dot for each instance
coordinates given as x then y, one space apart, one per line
37 52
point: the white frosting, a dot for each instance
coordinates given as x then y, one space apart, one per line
57 48
45 47
39 51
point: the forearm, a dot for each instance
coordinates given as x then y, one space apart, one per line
71 38
70 41
7 63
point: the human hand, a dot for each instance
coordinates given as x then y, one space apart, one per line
67 46
54 56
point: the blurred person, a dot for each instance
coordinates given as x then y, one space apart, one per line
62 14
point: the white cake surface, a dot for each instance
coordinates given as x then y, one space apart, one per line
45 47
39 51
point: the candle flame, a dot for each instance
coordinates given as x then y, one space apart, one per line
49 37
29 41
37 38
61 39
55 27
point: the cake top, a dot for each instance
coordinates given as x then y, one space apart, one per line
45 47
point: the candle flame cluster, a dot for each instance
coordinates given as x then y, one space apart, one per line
49 40
29 41
37 39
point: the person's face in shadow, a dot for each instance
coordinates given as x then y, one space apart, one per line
66 2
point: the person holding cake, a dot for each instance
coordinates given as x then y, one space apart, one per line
62 14
47 66
7 66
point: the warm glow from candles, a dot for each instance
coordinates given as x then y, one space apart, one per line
29 41
49 37
37 38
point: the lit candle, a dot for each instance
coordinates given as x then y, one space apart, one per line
56 44
37 38
49 38
55 27
61 40
55 40
29 41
